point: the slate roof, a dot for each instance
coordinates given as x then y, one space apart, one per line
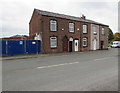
51 14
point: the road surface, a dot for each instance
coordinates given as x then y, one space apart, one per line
79 71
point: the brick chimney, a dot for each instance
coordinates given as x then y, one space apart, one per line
83 17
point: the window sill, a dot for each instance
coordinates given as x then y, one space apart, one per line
85 33
54 48
72 32
85 46
53 31
103 34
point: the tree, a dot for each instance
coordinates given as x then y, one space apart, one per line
110 36
117 36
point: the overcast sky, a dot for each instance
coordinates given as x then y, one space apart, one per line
15 14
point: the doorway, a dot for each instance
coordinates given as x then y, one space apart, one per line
94 44
70 46
76 45
65 43
102 43
65 46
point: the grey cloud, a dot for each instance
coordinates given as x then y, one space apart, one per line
94 5
16 14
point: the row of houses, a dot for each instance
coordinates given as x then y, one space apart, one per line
64 33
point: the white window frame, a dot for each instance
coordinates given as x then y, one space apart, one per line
84 42
53 42
84 29
53 25
94 30
71 27
103 31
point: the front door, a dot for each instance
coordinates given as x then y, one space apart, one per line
70 46
65 46
102 43
76 45
94 44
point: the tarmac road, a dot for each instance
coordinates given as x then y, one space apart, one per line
78 71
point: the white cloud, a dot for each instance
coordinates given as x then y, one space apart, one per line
16 14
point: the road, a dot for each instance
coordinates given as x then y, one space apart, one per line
79 71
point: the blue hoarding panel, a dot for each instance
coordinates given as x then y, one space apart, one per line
32 46
13 47
16 47
3 47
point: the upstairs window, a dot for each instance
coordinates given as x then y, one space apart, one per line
103 31
53 25
84 29
94 30
53 42
71 27
84 42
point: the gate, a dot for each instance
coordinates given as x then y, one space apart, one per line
32 46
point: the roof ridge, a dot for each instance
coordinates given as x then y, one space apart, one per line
48 13
56 13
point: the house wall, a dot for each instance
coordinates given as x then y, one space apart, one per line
94 36
35 24
61 24
41 25
87 35
104 37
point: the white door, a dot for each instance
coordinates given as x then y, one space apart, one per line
94 44
76 45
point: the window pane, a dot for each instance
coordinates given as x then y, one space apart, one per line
71 27
53 42
94 30
84 41
53 25
84 28
102 31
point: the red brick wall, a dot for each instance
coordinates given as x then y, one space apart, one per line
41 24
61 24
104 37
87 35
35 24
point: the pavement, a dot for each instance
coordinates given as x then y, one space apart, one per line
13 57
78 71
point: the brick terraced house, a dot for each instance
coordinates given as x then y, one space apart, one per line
64 33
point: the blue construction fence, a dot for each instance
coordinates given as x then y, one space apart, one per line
15 47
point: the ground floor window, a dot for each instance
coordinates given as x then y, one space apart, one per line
84 41
53 42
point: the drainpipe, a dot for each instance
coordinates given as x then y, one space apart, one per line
99 38
41 36
80 38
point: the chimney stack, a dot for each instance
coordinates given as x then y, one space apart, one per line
83 17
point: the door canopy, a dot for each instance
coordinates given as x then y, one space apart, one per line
65 38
